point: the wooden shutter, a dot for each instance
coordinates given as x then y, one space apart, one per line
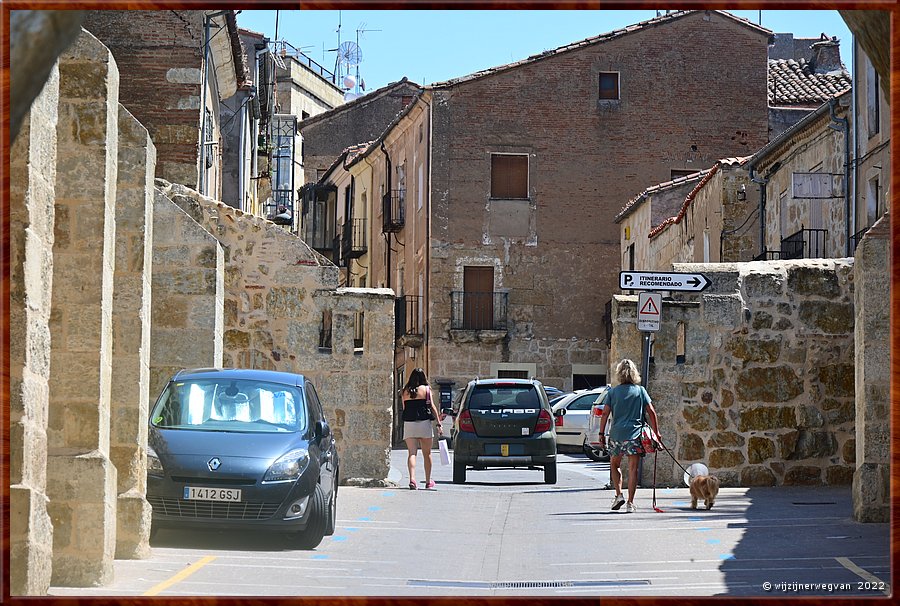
509 176
478 298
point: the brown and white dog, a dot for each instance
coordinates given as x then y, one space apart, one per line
706 488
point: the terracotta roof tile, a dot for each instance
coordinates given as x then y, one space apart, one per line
796 83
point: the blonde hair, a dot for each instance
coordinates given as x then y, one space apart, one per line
627 372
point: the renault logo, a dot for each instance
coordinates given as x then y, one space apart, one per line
214 463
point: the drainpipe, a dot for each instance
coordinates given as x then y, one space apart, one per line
855 114
203 84
845 128
387 236
762 209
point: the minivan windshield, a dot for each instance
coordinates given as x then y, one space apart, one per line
511 395
231 405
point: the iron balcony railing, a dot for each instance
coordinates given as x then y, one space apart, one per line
804 244
478 310
393 210
406 316
855 238
353 240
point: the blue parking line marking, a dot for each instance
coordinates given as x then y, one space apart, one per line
703 529
321 556
668 490
351 529
388 493
713 541
374 508
338 538
363 519
680 503
695 519
726 556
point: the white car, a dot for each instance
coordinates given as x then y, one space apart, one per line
572 427
592 446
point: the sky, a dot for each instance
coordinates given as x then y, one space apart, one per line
428 46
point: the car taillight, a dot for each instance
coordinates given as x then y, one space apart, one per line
597 411
559 421
544 422
465 422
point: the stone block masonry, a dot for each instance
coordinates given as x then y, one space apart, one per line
762 387
276 292
31 216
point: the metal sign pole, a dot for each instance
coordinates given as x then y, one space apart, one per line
645 370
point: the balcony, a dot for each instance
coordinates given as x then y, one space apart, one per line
353 239
336 249
407 312
478 311
855 238
803 244
393 211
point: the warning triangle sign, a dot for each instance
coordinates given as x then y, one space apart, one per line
650 308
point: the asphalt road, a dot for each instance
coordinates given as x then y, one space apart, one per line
506 533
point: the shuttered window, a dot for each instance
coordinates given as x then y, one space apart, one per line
509 176
609 85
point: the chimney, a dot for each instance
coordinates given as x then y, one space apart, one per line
826 55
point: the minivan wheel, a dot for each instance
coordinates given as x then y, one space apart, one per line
592 453
332 509
550 473
459 473
318 520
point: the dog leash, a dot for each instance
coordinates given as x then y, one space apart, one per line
655 508
666 448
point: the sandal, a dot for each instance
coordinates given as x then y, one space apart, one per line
429 484
413 485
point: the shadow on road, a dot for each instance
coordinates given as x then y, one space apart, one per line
229 540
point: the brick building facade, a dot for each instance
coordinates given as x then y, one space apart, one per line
574 123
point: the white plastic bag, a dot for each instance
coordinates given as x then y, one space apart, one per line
445 452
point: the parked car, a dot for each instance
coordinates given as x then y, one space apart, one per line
553 392
504 423
242 449
571 428
592 446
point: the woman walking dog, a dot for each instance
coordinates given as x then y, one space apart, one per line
419 415
628 402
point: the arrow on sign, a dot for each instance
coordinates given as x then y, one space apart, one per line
646 280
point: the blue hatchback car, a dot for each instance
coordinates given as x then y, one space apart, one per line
239 448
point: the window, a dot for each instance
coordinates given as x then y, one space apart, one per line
420 186
588 381
478 298
512 374
609 86
873 111
325 330
680 172
783 213
872 210
358 332
585 402
509 176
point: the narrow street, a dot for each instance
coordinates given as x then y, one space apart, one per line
506 533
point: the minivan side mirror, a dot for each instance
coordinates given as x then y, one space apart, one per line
448 411
322 430
560 413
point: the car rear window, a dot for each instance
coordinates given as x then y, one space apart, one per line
230 405
511 395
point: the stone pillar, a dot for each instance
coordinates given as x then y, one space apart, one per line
131 335
871 480
188 283
32 191
81 479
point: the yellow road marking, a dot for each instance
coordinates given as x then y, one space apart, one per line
180 576
865 574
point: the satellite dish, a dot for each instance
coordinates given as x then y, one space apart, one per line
696 469
349 81
349 53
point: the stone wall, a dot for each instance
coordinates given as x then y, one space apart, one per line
276 289
31 220
188 295
871 481
765 394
